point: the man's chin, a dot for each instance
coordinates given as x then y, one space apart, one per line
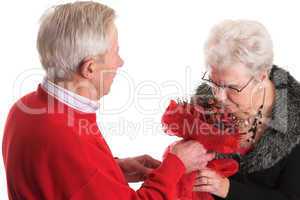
106 92
102 94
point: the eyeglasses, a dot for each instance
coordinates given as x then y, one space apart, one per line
224 87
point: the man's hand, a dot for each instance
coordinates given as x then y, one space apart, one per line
193 155
137 168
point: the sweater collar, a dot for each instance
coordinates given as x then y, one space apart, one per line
69 98
279 119
282 134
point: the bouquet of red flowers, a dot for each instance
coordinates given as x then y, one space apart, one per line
213 128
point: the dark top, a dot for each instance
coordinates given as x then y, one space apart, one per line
271 171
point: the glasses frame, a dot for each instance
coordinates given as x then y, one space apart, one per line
224 86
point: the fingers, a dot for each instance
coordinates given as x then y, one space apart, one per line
135 170
201 148
208 157
205 181
141 169
210 181
203 188
195 144
137 176
206 173
151 162
193 154
204 159
145 172
148 161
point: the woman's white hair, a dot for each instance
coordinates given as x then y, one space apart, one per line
241 41
71 32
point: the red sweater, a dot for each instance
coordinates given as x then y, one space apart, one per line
52 151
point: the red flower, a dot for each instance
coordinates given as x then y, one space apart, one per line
213 128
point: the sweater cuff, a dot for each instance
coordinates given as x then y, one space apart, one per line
172 168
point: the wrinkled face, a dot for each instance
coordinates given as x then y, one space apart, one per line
239 77
107 68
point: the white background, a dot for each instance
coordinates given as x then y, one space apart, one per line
161 43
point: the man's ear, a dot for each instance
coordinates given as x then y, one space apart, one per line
87 68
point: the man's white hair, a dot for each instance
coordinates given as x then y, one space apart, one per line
71 32
239 41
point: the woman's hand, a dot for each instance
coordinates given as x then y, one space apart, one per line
209 181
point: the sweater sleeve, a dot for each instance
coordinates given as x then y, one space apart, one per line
159 186
288 184
76 175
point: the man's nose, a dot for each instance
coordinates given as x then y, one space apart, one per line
121 62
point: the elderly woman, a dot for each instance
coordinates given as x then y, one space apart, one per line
264 100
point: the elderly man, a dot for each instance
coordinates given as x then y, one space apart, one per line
52 147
